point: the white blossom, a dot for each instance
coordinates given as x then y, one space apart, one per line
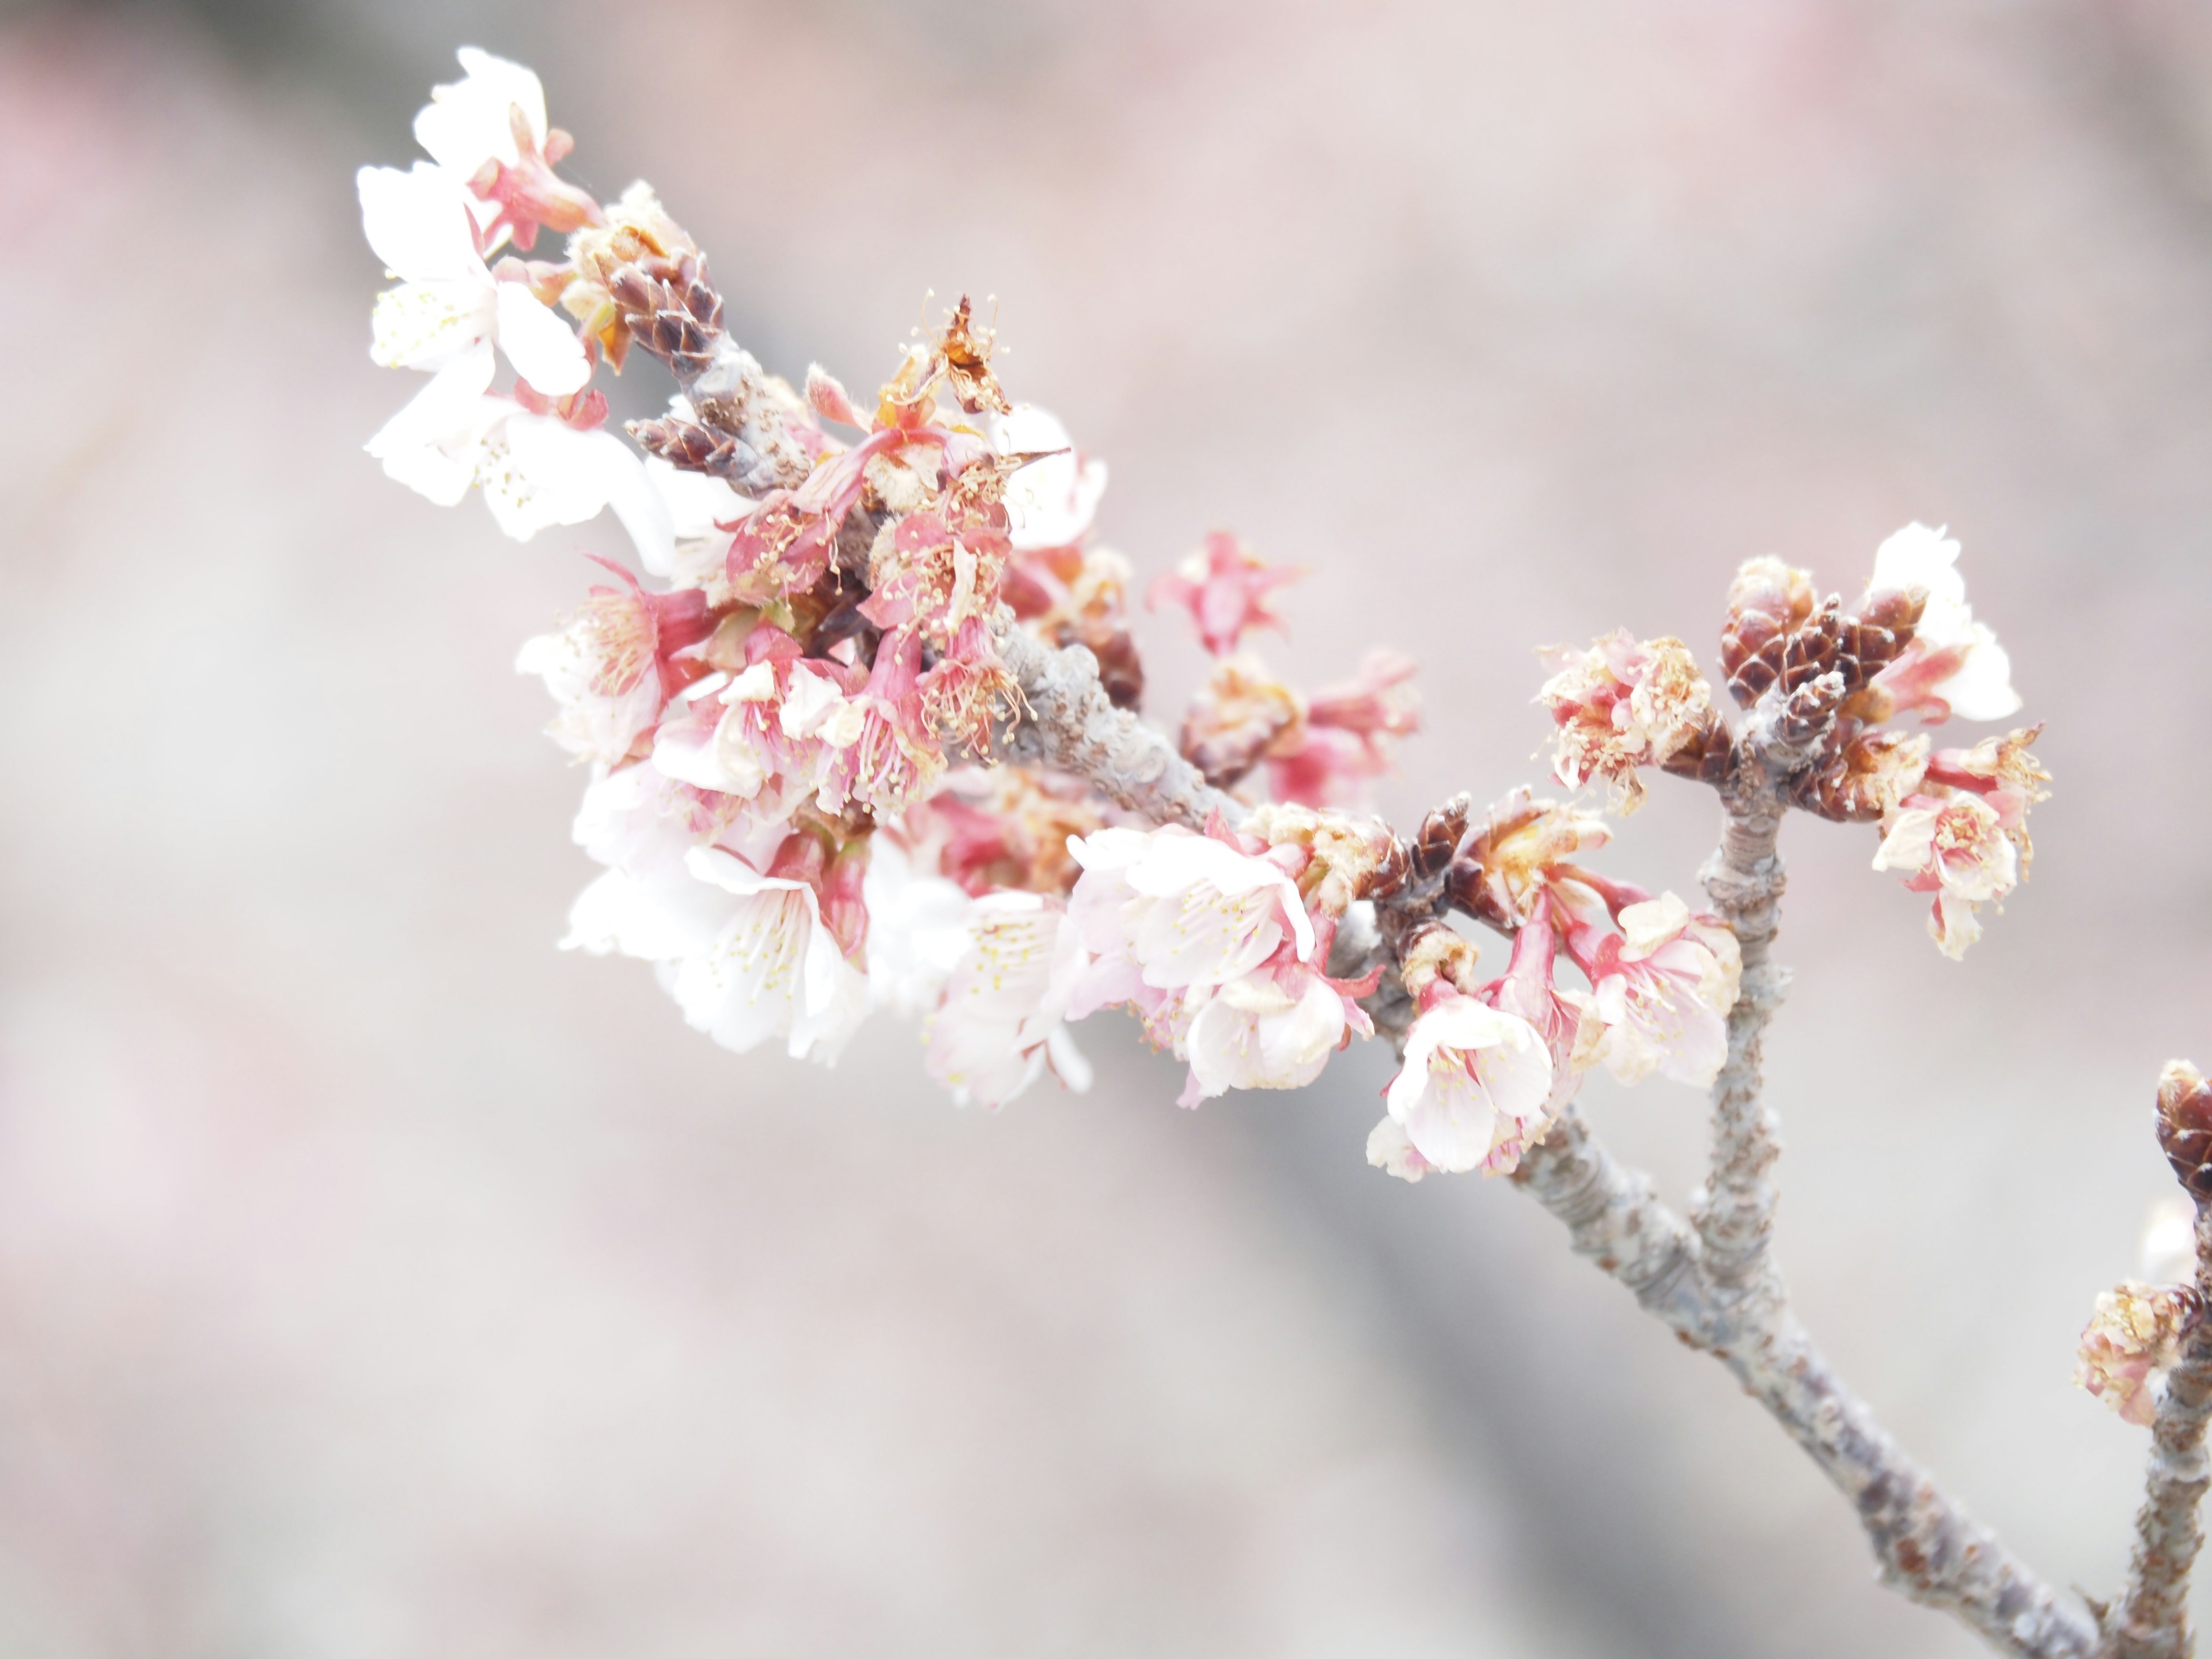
1051 502
1952 658
773 968
918 929
470 121
447 303
1005 1001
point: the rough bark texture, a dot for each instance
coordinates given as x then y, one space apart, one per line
1072 725
1735 1211
2151 1620
1925 1546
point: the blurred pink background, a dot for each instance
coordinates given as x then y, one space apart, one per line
376 1280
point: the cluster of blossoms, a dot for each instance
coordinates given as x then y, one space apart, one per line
800 720
1953 823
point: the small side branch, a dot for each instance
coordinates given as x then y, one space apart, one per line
2152 1619
1071 724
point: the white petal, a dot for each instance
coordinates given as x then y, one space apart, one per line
1916 556
1981 689
695 502
544 350
656 919
418 223
466 122
432 444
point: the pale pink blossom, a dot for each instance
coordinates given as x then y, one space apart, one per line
893 758
1348 735
1955 846
1953 665
1213 947
1225 586
606 668
1568 1022
1475 1087
1168 909
1272 1028
766 734
1663 987
1001 1020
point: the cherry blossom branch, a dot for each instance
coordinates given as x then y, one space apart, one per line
2152 1619
1071 724
1928 1549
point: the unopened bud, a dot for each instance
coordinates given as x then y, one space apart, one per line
2185 1126
1441 834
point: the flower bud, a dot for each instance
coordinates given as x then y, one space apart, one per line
1441 833
1768 601
2185 1126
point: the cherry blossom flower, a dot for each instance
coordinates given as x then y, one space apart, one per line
702 511
536 469
2131 1340
918 929
1049 503
1623 704
1168 909
488 128
1568 1021
1225 586
1663 987
1213 946
1509 865
608 668
1000 1021
1007 828
894 759
1475 1087
447 303
1953 665
1273 1028
1955 847
1347 736
766 736
2005 773
1390 1150
773 970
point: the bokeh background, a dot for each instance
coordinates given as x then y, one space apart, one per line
376 1281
